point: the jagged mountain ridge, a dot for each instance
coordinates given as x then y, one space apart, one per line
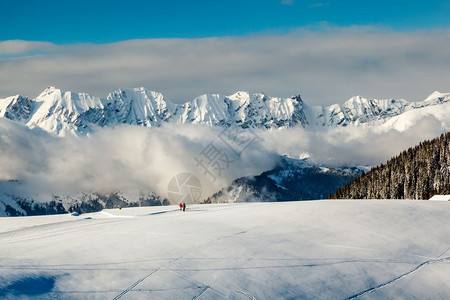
13 204
291 179
60 112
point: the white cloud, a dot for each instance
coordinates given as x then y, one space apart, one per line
137 160
287 2
326 66
131 159
352 146
19 47
318 4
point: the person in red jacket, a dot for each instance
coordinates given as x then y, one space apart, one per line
181 206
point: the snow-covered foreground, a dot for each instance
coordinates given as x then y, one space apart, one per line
313 250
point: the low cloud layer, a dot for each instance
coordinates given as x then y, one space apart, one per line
138 160
325 67
352 146
131 159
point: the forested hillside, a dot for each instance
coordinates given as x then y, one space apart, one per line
417 173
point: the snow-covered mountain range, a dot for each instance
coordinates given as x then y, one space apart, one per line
67 114
62 112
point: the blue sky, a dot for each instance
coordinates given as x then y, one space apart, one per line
64 21
327 51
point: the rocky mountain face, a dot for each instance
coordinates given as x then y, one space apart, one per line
15 205
63 112
291 180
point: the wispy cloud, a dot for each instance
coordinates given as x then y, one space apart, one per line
324 67
20 48
287 2
138 160
318 4
353 146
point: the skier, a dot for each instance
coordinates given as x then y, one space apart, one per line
184 206
181 206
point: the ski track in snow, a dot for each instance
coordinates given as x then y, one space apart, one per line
246 294
210 286
201 293
165 267
393 280
134 285
242 266
142 279
203 276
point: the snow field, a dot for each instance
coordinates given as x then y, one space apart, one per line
314 250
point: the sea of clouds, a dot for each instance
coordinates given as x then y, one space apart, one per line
134 159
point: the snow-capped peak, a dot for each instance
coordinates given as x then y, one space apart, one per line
63 111
436 95
17 108
48 91
356 98
240 95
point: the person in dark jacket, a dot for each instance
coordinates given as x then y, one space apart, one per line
184 206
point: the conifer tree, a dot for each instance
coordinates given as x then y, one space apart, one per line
416 173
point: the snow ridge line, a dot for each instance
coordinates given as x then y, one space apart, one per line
428 262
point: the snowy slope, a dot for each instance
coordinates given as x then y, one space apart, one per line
61 112
308 250
369 112
291 179
440 113
242 108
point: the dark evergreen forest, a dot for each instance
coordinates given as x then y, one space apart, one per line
417 173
